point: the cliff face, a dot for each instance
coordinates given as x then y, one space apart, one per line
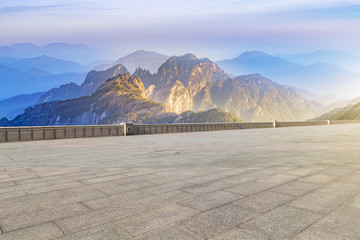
255 98
181 84
95 79
146 77
66 91
179 99
190 84
119 99
192 72
212 115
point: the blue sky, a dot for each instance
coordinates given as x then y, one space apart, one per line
213 28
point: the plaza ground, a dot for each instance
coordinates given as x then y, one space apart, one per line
273 183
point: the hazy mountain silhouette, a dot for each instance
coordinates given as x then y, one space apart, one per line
14 82
49 64
71 52
144 59
349 112
344 59
320 78
14 106
93 80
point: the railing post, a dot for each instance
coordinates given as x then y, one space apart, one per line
129 129
123 125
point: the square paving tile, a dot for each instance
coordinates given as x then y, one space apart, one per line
303 171
39 232
239 233
296 188
169 232
354 202
84 221
12 223
343 221
264 201
211 200
207 187
280 178
151 220
319 178
283 222
316 234
251 188
103 232
217 220
320 202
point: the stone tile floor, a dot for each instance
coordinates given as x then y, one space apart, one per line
284 183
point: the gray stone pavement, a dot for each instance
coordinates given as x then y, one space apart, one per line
285 183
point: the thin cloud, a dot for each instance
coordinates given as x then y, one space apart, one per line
19 9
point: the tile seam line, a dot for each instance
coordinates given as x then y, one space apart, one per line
202 211
31 226
324 193
284 204
343 204
135 235
270 189
58 228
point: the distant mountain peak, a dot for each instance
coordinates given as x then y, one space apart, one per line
189 56
141 51
42 57
124 84
117 69
146 59
256 54
261 53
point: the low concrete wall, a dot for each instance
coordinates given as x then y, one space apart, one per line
343 121
304 123
194 127
12 134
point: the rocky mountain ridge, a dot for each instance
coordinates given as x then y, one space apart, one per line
181 84
120 99
187 83
93 80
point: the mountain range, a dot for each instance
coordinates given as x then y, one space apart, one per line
185 83
340 58
71 52
326 99
350 112
181 84
188 83
93 80
318 77
15 82
49 64
118 99
14 106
